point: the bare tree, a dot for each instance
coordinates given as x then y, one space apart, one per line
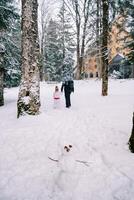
29 93
78 24
43 21
86 13
98 37
81 12
105 5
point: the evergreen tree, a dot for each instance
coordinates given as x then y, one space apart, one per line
53 52
59 47
68 44
126 9
7 15
66 31
67 70
12 43
130 14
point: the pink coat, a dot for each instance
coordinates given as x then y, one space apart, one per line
56 95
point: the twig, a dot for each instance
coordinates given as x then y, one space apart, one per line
83 162
53 159
80 161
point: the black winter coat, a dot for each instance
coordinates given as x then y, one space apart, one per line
68 86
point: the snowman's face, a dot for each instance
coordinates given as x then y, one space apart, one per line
67 148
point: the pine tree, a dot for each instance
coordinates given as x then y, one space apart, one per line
68 44
126 9
29 93
53 52
59 46
7 14
12 43
67 70
130 14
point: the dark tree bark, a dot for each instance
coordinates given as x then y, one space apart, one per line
78 22
41 70
29 93
81 45
86 16
1 82
131 139
105 5
98 39
63 27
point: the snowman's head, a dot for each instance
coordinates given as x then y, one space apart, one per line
68 148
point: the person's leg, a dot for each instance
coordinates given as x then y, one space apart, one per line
67 99
54 103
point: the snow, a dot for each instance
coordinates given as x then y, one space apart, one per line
34 163
26 100
121 55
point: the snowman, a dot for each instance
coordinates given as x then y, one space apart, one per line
67 176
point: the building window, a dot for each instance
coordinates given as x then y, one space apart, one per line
91 75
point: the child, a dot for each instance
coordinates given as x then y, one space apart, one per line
56 96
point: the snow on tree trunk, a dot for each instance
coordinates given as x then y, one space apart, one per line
29 93
105 4
1 83
131 140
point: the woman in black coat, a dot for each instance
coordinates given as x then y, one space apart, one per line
68 87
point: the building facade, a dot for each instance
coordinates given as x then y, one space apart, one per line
118 37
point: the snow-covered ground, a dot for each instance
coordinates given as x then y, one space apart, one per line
34 164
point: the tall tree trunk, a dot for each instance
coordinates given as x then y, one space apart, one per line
78 53
86 16
78 23
29 97
131 140
63 27
105 5
42 48
41 63
81 50
1 81
98 39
